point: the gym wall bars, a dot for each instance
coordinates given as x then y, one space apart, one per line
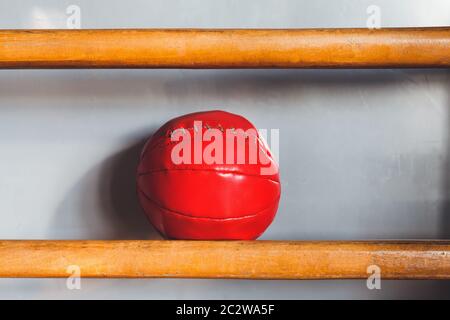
195 48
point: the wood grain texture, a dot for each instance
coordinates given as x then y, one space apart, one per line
226 48
226 259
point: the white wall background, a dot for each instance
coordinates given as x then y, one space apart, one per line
364 154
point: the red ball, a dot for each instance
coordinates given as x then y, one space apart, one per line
208 176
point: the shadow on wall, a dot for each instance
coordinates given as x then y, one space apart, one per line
187 86
103 204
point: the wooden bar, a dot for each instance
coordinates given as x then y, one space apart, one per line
226 48
225 259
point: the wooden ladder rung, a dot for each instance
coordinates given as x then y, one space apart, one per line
226 48
225 259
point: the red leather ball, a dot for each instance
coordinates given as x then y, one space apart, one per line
199 177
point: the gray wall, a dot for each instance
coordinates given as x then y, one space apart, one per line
364 154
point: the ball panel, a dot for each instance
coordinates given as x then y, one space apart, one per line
214 119
210 194
178 226
157 154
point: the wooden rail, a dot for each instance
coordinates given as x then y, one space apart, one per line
226 48
224 259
